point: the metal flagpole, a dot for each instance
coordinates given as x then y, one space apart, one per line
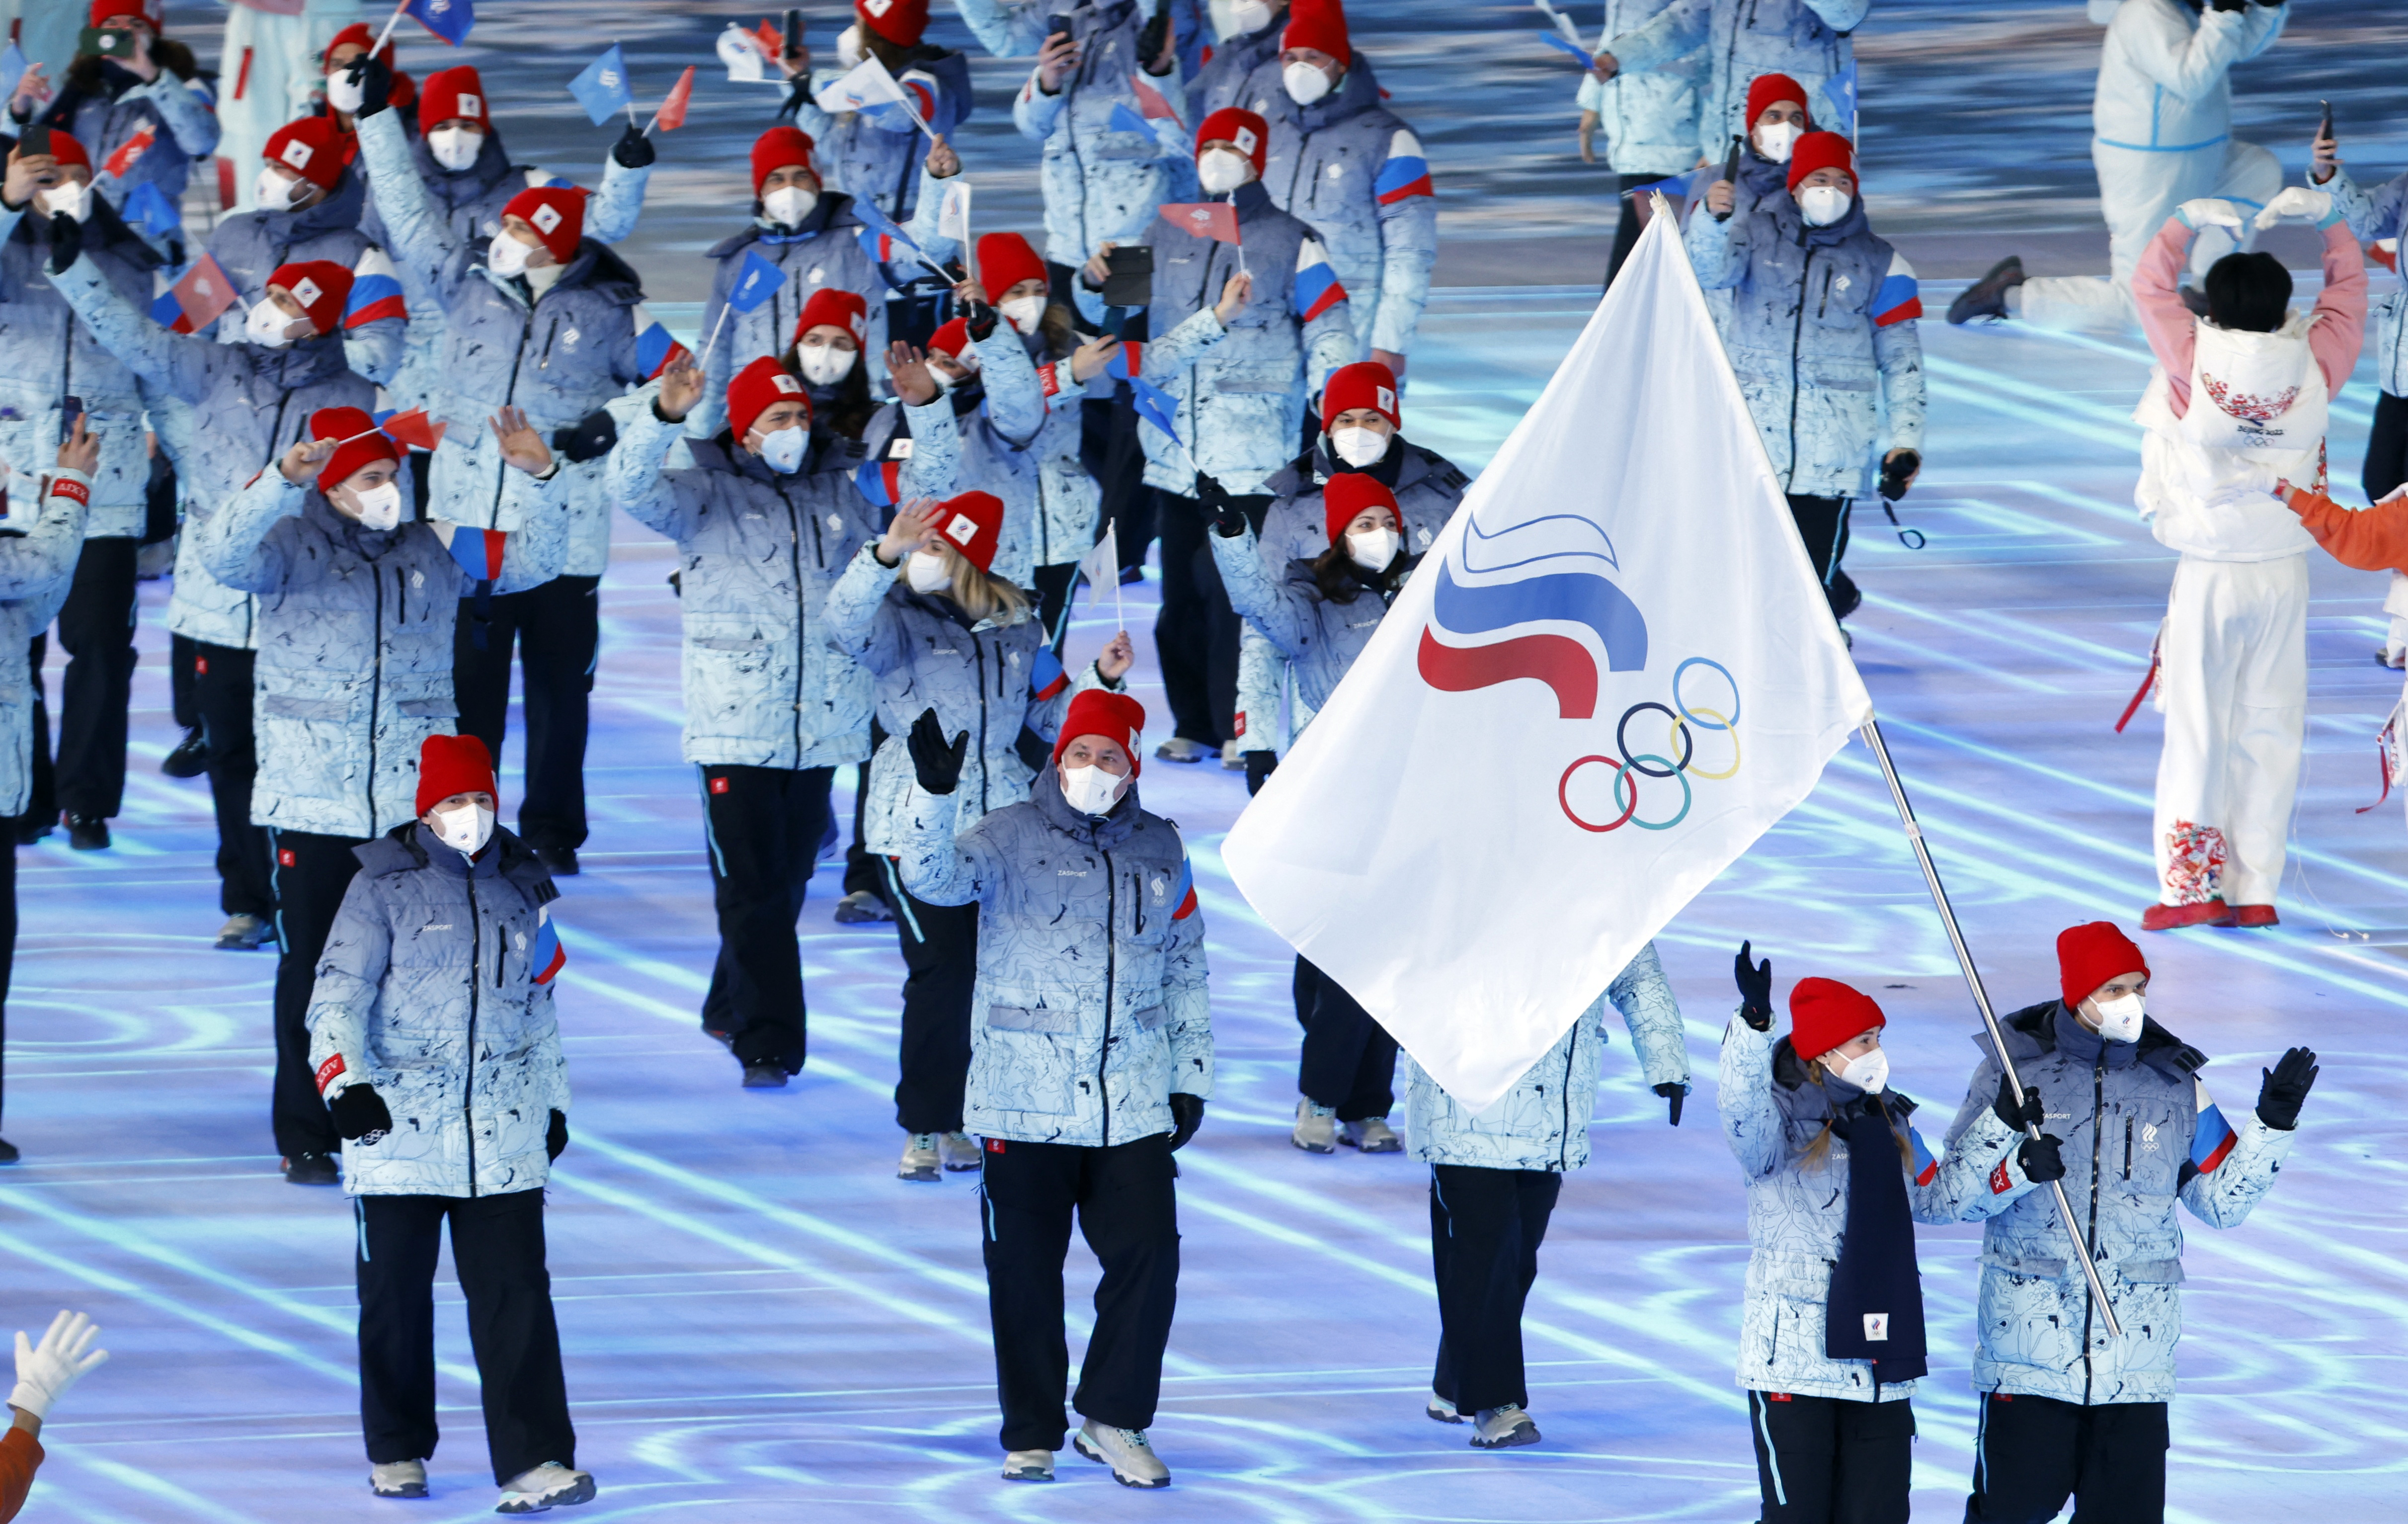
1872 733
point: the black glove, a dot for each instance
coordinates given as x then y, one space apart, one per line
1155 36
590 440
375 79
2040 1159
360 1115
1259 768
1755 989
2033 1111
2284 1087
1896 473
939 765
633 150
1229 519
555 1137
2232 4
1673 1091
66 241
1187 1115
979 319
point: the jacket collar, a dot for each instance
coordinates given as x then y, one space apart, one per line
457 188
341 209
1105 833
1357 91
1801 1099
1252 200
411 845
1783 208
2035 1031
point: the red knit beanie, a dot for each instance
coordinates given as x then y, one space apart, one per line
1365 383
312 147
1350 493
2089 954
1004 261
354 36
448 765
1321 25
1822 151
154 12
364 444
899 22
454 92
758 387
1246 131
1766 89
557 214
321 286
952 339
1099 711
972 524
832 307
780 148
1825 1013
64 146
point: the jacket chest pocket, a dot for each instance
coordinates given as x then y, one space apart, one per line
1026 1054
1838 295
2143 1146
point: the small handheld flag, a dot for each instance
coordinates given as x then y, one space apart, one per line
755 284
148 207
547 957
869 86
1102 568
447 19
890 233
412 429
478 552
672 116
1841 91
601 87
1204 219
1125 120
202 295
129 153
1150 101
1566 45
745 64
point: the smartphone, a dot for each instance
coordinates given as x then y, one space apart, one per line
105 42
70 408
1128 277
2324 128
793 33
1058 26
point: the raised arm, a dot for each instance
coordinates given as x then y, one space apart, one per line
376 318
2172 331
1751 1122
1270 603
936 449
1005 28
234 542
935 865
611 213
851 613
179 362
185 111
2188 62
41 561
667 503
1644 997
420 240
1678 29
1016 400
2222 1190
2339 330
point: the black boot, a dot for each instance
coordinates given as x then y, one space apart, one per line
1987 297
190 758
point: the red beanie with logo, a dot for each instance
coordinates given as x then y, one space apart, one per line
782 147
832 307
899 22
1350 493
1099 711
1246 131
1822 151
1825 1013
972 524
363 445
312 147
354 36
1766 89
448 765
321 286
557 214
1321 25
2089 954
454 92
756 389
1365 383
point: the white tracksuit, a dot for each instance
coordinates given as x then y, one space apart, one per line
2162 128
270 87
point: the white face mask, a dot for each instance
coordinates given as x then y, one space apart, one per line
265 324
1868 1071
505 256
466 827
1774 139
782 452
70 198
274 190
1306 82
1022 313
341 94
848 47
1823 205
1357 446
926 571
825 364
1222 170
788 205
1091 791
2119 1019
456 147
378 507
1372 549
1249 17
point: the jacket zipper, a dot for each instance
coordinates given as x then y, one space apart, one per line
2098 1123
376 690
1796 339
2127 1148
978 653
1564 1141
1111 955
526 331
795 558
468 1086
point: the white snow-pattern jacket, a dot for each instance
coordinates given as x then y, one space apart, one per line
826 252
876 155
2373 216
47 354
1648 116
251 245
36 563
1806 40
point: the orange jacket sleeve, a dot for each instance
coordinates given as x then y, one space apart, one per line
2372 539
20 1456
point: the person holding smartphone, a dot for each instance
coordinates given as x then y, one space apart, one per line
134 98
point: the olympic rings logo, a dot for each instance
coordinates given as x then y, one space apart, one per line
1680 739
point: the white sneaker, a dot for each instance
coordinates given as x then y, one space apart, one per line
1438 1410
918 1158
1316 1128
1231 759
957 1150
1181 749
399 1479
1373 1135
1502 1428
1125 1450
1028 1466
550 1484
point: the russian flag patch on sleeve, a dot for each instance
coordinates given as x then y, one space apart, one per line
1406 175
2211 1141
1926 1163
1182 894
1899 298
1316 288
1046 677
547 956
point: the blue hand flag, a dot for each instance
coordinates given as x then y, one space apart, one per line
878 222
755 284
447 19
148 207
1154 406
1125 120
602 88
1841 90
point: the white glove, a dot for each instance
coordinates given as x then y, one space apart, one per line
2209 211
2297 201
45 1371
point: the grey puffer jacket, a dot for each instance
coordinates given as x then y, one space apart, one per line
757 554
1542 1122
1242 70
1090 1009
47 354
199 607
1831 373
1319 637
1776 1118
178 115
2373 216
1648 116
2129 1116
250 247
36 563
826 252
430 991
1000 413
354 669
1806 40
875 155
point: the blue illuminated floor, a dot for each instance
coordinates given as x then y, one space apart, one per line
759 1318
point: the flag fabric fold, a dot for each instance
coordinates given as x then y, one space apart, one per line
755 284
601 87
672 116
478 552
447 19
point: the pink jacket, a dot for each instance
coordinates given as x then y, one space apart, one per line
2173 333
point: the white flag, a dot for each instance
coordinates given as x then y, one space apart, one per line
745 64
868 85
954 212
1614 672
1102 565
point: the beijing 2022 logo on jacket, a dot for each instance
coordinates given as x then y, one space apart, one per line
1554 570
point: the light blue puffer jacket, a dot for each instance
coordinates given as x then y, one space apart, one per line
249 246
1001 422
1319 637
36 563
1825 379
2128 1113
2372 216
875 155
47 354
1242 70
1806 40
1542 1122
199 607
177 114
1648 116
1090 1008
354 669
824 251
427 990
757 554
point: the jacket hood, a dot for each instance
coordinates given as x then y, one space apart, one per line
1358 92
342 209
456 188
1405 465
411 846
1109 831
1801 1099
2038 1031
305 362
596 268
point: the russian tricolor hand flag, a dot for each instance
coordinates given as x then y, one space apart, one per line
880 482
547 957
478 551
2211 1141
376 291
196 298
1406 174
1900 298
1316 290
656 350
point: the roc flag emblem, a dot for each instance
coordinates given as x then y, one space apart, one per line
547 957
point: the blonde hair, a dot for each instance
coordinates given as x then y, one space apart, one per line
981 594
1820 1144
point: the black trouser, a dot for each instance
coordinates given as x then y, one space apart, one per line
309 874
1485 1228
558 628
1128 1212
182 650
1823 524
497 1250
1828 1460
1304 988
1195 634
96 629
222 679
2386 447
1626 223
1349 1060
763 827
865 870
1054 587
41 799
7 949
940 966
2033 1453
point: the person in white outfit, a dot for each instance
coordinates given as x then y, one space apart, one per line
269 68
2235 414
2162 135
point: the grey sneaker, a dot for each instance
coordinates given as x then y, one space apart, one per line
957 1150
1503 1428
918 1158
1232 760
1125 1450
550 1484
1180 749
244 933
1028 1466
861 908
766 1074
399 1479
1438 1410
1373 1135
1316 1128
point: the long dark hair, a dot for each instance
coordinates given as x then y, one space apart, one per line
854 406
